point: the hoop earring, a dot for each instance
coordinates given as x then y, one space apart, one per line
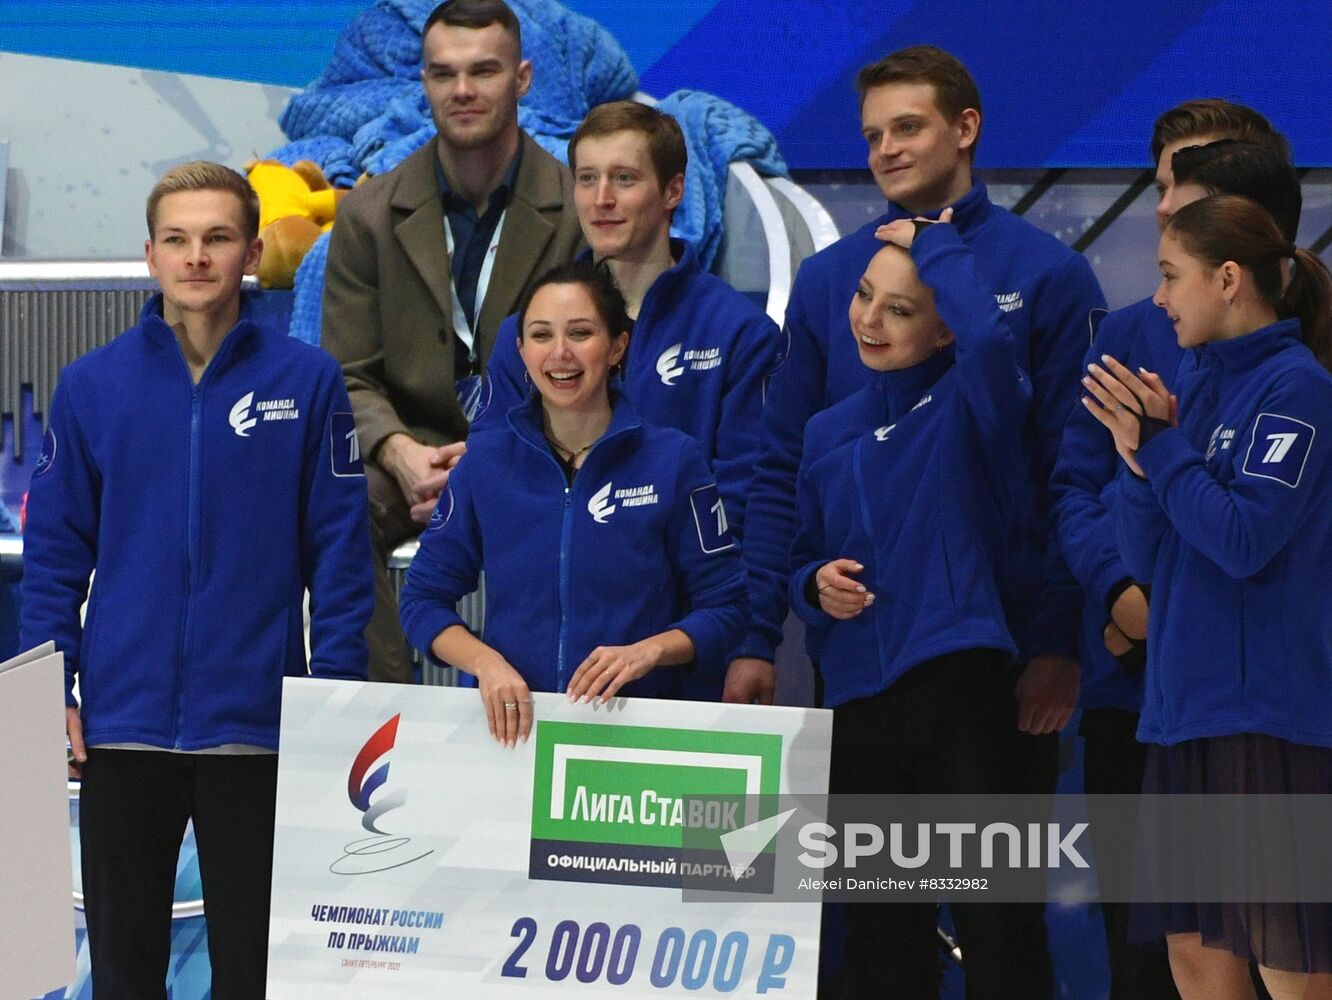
527 378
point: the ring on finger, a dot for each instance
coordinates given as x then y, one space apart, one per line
510 706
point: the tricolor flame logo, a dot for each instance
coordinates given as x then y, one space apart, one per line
362 783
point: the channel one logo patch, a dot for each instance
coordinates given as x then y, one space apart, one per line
610 803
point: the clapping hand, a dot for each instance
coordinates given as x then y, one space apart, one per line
1131 406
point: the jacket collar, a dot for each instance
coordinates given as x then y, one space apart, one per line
501 195
538 180
969 211
686 266
525 419
1245 353
901 390
158 332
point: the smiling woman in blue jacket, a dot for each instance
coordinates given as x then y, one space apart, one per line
604 540
1223 504
914 515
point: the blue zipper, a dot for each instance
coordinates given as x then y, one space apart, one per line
191 553
566 527
192 520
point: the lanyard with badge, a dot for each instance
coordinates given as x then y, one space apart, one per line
469 388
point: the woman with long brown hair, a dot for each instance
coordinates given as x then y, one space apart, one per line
1223 507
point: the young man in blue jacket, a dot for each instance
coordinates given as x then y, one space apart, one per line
1114 620
206 469
699 350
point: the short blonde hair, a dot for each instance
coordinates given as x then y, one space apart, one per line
203 175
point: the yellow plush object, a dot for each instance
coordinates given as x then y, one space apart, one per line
286 242
296 204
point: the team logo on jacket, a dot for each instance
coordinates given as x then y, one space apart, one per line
267 409
881 433
47 458
241 421
1223 437
442 512
1279 449
714 531
344 446
601 506
367 791
666 364
1008 301
675 361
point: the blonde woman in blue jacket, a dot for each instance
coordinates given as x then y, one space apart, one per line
914 540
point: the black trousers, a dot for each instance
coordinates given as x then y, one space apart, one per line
949 726
133 807
1112 764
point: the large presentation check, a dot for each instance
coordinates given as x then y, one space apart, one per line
416 857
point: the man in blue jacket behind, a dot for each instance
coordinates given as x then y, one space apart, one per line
699 350
207 470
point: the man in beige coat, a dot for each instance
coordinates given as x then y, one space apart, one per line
424 262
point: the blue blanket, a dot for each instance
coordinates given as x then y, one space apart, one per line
367 112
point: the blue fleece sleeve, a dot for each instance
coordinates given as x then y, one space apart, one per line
1140 523
60 541
995 387
1086 466
1280 476
337 567
809 550
740 430
705 560
1061 332
795 392
505 385
447 566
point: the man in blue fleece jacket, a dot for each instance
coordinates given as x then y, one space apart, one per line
1195 155
699 350
206 469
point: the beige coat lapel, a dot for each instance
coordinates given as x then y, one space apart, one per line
420 225
529 226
